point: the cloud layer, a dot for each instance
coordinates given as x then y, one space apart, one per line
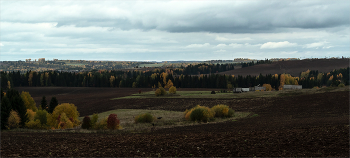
173 30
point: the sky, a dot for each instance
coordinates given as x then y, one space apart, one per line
173 30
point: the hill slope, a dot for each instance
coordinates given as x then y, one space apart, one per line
291 67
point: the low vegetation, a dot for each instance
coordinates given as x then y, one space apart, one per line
205 114
222 111
172 90
64 116
13 120
86 123
144 118
113 122
166 119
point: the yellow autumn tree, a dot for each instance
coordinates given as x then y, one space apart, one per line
28 101
172 90
111 80
305 74
163 76
339 76
282 80
331 78
13 120
288 79
169 84
8 85
30 113
275 76
64 109
319 76
267 87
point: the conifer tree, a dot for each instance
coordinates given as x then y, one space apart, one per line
5 111
43 103
18 106
53 104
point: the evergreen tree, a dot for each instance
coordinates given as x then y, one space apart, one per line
43 103
53 104
18 105
5 111
12 93
2 93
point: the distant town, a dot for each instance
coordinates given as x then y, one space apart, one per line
43 64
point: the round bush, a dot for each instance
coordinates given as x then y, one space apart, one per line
144 118
212 92
113 122
158 92
172 90
86 123
222 110
162 90
102 124
199 113
13 120
94 119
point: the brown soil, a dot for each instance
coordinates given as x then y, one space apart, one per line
88 100
304 125
291 67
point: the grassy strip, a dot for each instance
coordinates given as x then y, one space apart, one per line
169 119
254 94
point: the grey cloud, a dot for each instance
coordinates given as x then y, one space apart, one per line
222 17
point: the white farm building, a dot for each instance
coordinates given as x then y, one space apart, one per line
286 86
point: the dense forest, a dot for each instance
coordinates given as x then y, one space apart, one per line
181 78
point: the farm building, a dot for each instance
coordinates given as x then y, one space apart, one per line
240 90
292 87
257 88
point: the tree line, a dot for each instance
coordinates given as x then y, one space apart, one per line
160 77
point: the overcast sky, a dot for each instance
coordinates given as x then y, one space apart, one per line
173 30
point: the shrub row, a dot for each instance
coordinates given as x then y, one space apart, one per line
111 122
205 114
161 91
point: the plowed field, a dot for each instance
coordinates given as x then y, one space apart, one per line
291 67
304 125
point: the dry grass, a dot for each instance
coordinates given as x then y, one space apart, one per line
169 119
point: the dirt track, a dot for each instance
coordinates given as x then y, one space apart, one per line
304 125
